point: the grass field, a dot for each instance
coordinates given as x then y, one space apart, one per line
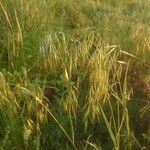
74 75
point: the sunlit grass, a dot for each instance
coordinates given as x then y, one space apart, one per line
74 74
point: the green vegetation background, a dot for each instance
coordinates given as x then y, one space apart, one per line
74 74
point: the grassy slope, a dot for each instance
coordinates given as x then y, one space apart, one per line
74 74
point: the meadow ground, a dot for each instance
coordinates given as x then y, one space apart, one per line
74 74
